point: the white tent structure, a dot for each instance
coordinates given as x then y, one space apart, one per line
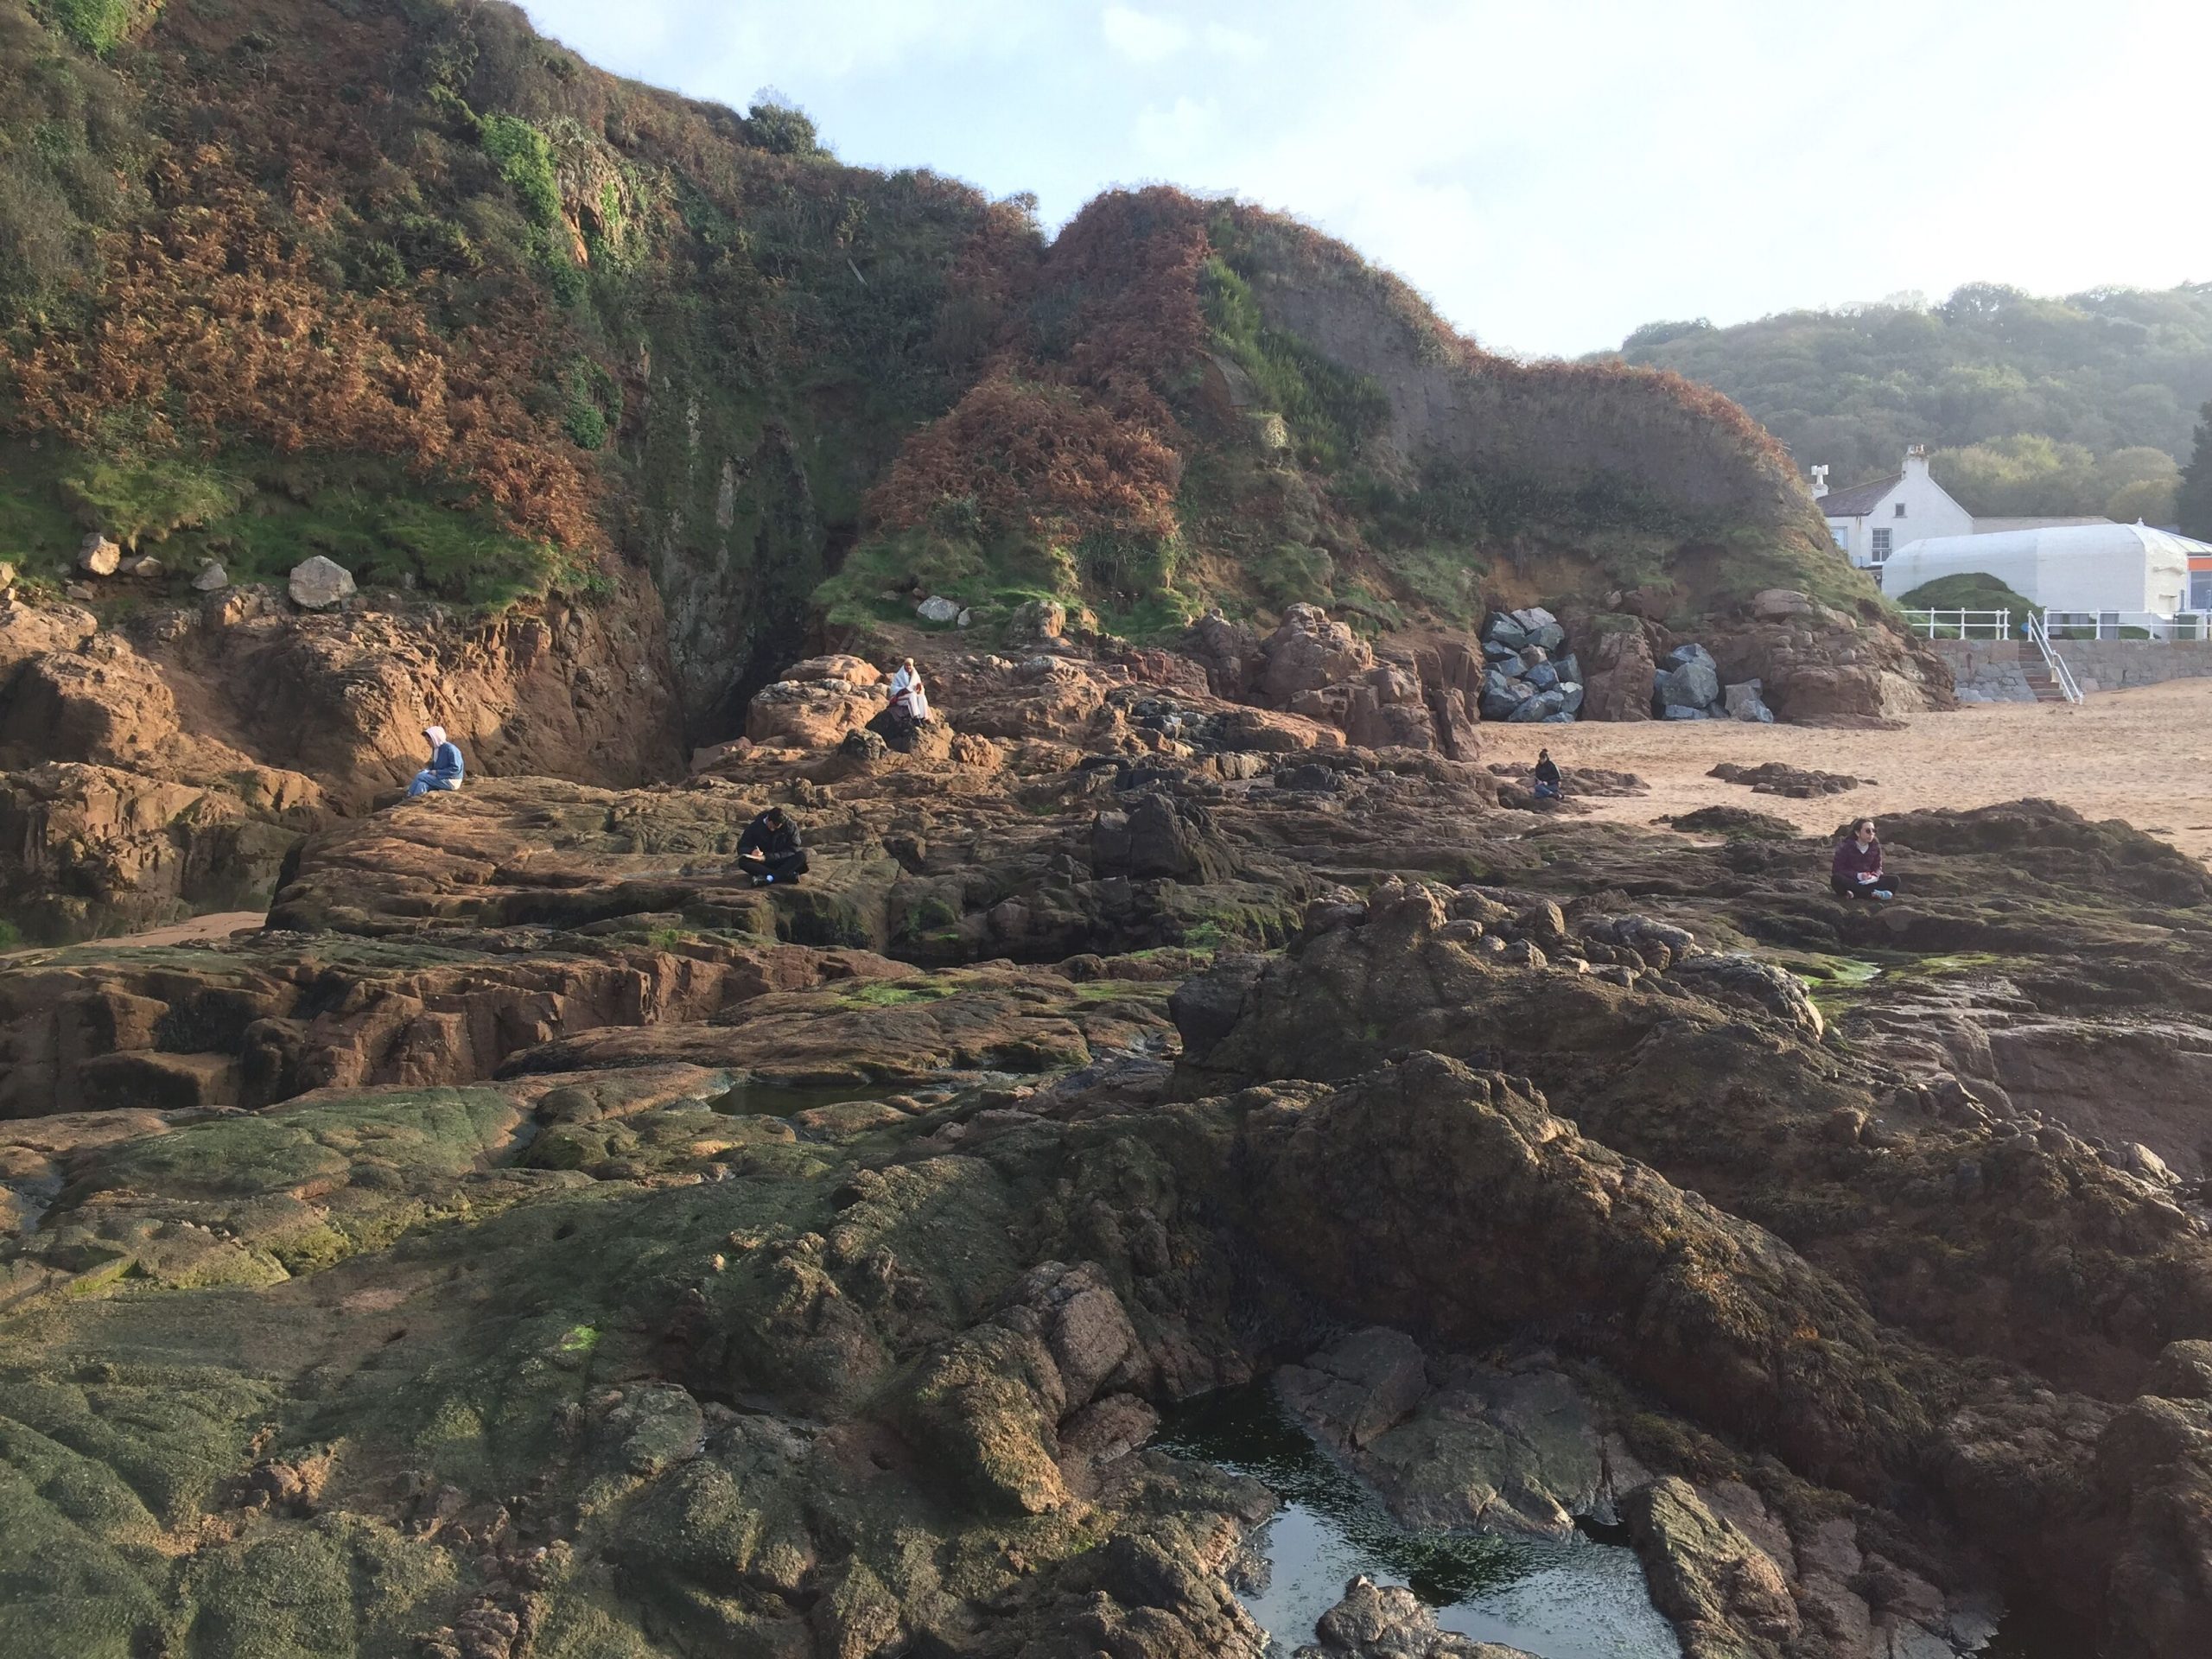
2077 570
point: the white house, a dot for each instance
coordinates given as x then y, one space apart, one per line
2118 572
1872 521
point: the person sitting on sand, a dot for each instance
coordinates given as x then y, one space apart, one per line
1546 776
1856 871
769 850
445 769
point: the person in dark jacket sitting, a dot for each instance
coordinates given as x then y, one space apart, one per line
1546 776
769 850
1856 871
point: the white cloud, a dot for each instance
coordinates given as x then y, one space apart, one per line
1141 37
1553 175
1180 134
784 44
1226 42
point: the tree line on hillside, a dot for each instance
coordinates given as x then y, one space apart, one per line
2083 405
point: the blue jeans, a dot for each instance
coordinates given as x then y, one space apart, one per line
1547 791
426 780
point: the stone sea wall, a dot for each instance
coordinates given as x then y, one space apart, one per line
1986 670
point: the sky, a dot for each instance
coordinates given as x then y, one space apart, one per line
1551 174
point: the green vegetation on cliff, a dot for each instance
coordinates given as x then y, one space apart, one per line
2032 406
401 282
1972 590
1203 405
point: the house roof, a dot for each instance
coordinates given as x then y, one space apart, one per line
1860 498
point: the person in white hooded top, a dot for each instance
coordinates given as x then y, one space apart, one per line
445 769
907 696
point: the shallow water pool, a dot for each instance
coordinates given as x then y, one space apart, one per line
1577 1599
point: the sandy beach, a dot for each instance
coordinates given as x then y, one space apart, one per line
2142 755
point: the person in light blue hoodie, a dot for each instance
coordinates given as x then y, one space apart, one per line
445 769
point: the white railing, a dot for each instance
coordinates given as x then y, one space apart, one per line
2061 675
1961 624
2181 627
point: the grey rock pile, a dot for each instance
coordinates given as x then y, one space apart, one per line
1687 685
1529 675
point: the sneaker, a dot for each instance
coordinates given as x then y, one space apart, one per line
771 881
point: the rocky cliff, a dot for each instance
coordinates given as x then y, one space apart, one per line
611 405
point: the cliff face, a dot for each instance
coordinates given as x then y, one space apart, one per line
406 284
168 765
612 404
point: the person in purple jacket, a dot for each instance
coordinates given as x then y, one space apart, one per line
1856 871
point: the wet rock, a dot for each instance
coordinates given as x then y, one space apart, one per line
2183 1372
1780 778
318 583
862 746
1725 1594
1733 976
1206 1007
1080 1319
1157 836
1313 778
1453 1443
2155 1459
1736 822
1372 1622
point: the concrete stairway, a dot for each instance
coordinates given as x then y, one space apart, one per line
2036 673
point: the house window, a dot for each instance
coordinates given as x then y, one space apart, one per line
1841 533
1881 544
1900 509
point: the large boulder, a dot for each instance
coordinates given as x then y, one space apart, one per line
1452 1443
98 557
1157 836
1744 703
1377 1622
1308 651
1619 684
318 583
837 666
811 714
1694 683
1723 1591
1228 651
